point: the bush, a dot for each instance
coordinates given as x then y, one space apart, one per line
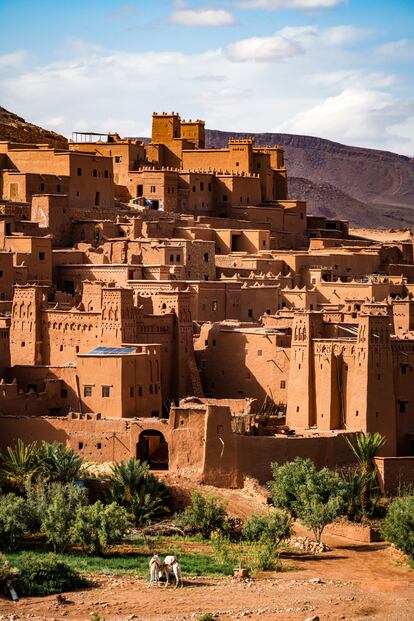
316 497
205 515
398 527
134 487
271 528
20 463
14 520
64 500
47 575
96 527
58 463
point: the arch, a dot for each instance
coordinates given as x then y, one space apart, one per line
152 447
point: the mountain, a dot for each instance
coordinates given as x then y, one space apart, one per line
15 129
364 186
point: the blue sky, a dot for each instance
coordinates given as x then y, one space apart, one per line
338 69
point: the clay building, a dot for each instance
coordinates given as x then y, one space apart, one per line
173 303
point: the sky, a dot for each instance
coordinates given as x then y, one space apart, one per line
337 69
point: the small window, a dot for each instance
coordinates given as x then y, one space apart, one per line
151 389
80 446
205 257
258 165
178 258
98 445
87 391
97 198
402 407
297 408
77 349
42 187
259 352
23 344
209 187
237 163
118 159
214 342
106 174
250 312
201 186
139 391
131 391
106 390
42 256
153 189
194 188
58 188
79 171
283 384
171 258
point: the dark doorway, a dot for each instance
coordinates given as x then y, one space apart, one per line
153 448
140 190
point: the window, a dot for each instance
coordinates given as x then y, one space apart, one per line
106 390
42 187
42 256
153 189
237 163
106 174
205 257
225 198
77 349
97 198
178 258
131 391
214 342
194 188
250 312
209 187
140 190
80 446
403 368
118 159
1 273
87 391
98 445
283 384
23 344
402 406
151 389
259 352
139 391
58 188
171 258
201 186
79 172
258 165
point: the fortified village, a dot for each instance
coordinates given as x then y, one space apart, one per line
172 303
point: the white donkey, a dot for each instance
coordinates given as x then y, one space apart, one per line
172 566
155 569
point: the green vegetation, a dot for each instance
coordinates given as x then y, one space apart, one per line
398 527
14 520
96 527
58 463
19 463
46 575
134 487
365 448
205 515
316 497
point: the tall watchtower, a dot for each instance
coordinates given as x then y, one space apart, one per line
165 127
194 131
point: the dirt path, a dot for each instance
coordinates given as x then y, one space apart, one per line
352 582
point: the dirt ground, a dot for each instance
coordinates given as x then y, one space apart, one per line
352 582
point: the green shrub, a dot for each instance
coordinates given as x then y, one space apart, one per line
20 463
59 515
134 487
46 576
58 463
206 616
272 528
8 575
14 520
398 526
316 497
96 527
264 557
205 516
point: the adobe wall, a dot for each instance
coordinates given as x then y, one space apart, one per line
395 473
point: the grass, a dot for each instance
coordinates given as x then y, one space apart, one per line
132 559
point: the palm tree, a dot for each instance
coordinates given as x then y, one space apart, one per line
19 464
365 448
58 463
134 487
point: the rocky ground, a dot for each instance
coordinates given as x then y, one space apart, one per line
352 581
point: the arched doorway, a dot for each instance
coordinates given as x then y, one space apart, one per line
153 448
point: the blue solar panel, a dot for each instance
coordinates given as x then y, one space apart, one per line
111 351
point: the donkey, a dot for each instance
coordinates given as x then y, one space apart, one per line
172 566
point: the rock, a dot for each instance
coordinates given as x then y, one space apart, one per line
314 618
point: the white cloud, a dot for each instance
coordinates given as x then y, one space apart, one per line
13 59
403 49
123 11
274 48
358 115
286 5
203 17
336 36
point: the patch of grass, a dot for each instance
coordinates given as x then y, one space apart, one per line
131 562
411 563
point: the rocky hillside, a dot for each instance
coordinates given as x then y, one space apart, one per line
16 129
365 186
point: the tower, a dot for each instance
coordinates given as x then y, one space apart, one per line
118 316
165 127
26 324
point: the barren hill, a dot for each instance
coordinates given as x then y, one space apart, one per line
15 129
365 186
